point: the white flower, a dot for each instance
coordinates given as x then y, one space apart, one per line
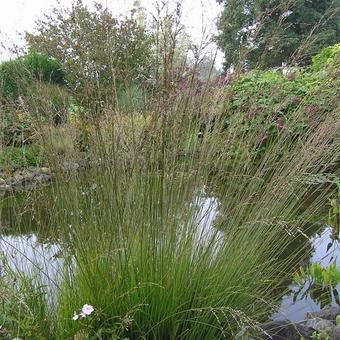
86 310
75 316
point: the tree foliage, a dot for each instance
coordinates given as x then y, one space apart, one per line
99 53
266 33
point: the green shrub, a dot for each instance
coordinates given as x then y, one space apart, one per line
18 74
325 57
12 158
296 102
44 68
13 78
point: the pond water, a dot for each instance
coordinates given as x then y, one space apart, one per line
27 254
295 305
31 251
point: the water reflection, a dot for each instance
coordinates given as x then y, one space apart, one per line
26 254
301 300
207 214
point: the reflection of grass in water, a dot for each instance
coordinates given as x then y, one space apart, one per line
334 213
28 213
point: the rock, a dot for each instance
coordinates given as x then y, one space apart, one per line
74 166
18 178
282 330
321 325
36 174
5 187
2 182
335 335
328 314
28 176
17 185
45 171
43 178
4 334
70 166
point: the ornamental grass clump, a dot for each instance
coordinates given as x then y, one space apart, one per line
167 235
194 244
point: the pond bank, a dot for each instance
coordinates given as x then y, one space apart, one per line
36 176
323 324
26 178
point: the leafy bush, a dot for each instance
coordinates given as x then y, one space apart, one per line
44 68
324 277
100 53
12 158
325 57
296 102
13 78
322 283
16 75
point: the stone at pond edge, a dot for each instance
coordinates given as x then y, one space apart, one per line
282 330
43 178
328 314
321 325
322 322
18 178
2 182
335 335
28 176
4 187
45 171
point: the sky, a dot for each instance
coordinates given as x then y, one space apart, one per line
18 16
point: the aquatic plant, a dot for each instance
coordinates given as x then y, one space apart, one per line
316 274
319 283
